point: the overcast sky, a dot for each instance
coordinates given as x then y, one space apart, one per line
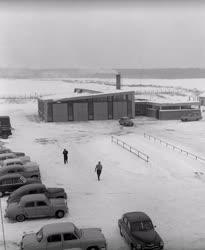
106 34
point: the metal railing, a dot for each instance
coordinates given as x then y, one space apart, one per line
131 149
197 157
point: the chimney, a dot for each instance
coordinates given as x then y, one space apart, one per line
118 81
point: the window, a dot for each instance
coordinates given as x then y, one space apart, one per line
34 191
7 182
54 238
18 180
29 204
11 171
69 236
125 220
41 203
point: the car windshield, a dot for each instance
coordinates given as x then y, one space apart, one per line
142 226
39 235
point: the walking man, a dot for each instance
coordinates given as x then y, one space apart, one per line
98 169
65 156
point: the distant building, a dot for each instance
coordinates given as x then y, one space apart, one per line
202 99
85 106
166 111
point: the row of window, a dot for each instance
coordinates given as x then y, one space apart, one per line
57 237
12 181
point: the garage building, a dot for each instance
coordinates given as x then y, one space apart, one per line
98 106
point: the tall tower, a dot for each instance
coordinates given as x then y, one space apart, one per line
118 81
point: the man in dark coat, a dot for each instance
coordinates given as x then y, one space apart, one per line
65 156
98 169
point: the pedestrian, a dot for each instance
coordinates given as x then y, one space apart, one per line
65 156
98 169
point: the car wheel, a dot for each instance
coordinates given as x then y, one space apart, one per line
60 214
20 218
121 232
92 248
34 177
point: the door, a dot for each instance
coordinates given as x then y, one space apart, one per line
29 208
60 112
42 209
54 242
70 241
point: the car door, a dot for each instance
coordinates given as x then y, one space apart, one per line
29 209
71 241
54 242
43 209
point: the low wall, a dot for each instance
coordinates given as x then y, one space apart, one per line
177 114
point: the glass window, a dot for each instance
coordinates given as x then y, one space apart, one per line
54 238
34 191
11 171
69 236
29 204
7 182
41 203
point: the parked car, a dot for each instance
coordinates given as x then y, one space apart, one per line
10 182
26 171
139 232
126 121
190 117
18 161
4 150
36 188
36 206
62 236
5 127
12 155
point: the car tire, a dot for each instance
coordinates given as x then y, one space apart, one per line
92 248
121 232
20 218
34 177
60 214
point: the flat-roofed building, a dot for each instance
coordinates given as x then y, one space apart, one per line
167 110
85 106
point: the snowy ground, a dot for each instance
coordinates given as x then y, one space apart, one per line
167 188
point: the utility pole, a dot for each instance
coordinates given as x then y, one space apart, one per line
2 223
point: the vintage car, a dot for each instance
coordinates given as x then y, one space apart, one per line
36 188
4 150
26 171
10 182
126 121
191 117
139 232
12 155
18 161
64 236
36 206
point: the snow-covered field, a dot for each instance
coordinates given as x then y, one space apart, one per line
167 188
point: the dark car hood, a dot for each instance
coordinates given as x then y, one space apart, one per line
55 190
146 236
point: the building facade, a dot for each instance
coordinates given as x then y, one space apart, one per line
100 106
167 111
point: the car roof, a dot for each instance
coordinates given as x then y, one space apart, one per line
12 160
7 154
33 197
62 227
10 176
28 187
136 216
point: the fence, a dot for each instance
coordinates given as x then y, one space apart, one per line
31 96
131 149
174 147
